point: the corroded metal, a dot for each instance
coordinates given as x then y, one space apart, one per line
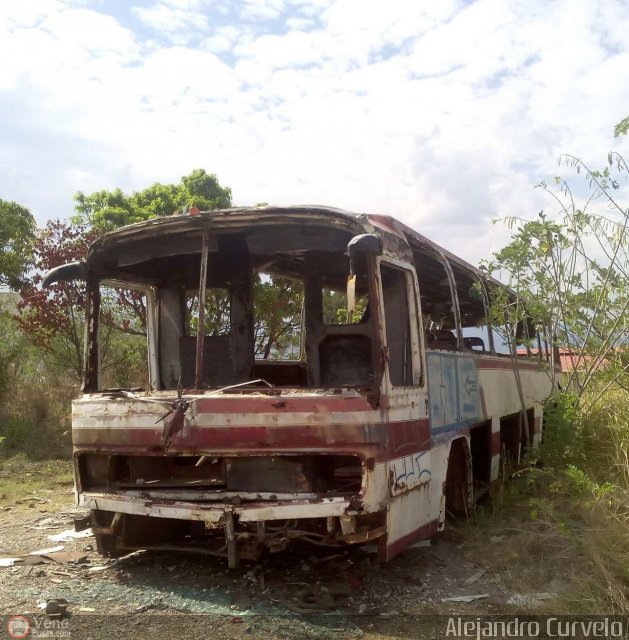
252 465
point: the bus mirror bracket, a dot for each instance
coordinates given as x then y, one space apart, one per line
365 243
64 272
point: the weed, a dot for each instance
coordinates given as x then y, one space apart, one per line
21 479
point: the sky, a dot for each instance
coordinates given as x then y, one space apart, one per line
444 114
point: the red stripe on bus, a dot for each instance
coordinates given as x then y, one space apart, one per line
499 363
380 441
495 443
244 403
406 438
426 531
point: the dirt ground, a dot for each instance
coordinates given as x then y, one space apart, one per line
305 592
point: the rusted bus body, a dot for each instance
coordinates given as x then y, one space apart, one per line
377 429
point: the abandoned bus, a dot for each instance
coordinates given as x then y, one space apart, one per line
387 406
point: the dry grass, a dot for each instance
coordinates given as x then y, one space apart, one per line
25 484
569 519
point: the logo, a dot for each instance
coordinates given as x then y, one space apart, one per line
18 627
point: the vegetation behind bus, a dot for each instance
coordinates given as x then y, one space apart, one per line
570 266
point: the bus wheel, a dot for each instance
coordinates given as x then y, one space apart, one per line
459 501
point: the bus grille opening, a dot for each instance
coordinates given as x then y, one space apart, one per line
334 475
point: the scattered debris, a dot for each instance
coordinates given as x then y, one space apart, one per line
8 561
465 598
530 599
56 608
43 524
31 499
71 534
421 543
299 595
475 577
102 567
318 598
240 601
57 557
64 557
44 552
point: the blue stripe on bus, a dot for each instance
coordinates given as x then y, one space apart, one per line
454 426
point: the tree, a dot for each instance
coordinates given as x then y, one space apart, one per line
107 210
278 309
53 318
572 269
17 235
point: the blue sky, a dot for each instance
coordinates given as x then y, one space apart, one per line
443 114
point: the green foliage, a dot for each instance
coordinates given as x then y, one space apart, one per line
561 443
107 210
278 310
34 393
569 514
124 362
335 308
589 497
217 316
571 270
17 236
53 319
580 485
122 339
622 127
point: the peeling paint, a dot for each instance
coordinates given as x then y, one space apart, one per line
345 445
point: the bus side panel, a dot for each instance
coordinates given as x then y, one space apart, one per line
418 510
410 518
500 395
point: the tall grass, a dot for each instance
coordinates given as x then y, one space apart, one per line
585 496
560 522
35 395
35 418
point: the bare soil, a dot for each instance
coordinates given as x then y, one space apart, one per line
304 592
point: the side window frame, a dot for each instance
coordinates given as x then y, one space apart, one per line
152 325
414 319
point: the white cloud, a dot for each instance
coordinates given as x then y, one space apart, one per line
293 49
444 114
260 9
188 5
175 23
299 23
27 14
